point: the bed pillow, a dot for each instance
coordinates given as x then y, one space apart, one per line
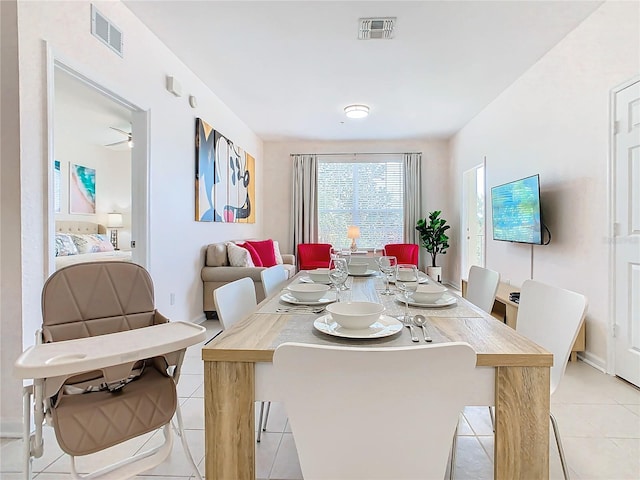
265 251
65 245
238 256
91 243
255 258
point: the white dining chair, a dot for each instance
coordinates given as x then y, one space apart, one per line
551 317
367 412
482 286
235 301
273 279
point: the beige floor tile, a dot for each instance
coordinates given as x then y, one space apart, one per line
472 462
266 453
633 408
177 465
463 426
188 384
600 458
479 420
193 413
586 420
286 465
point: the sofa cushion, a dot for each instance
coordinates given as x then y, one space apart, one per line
276 252
266 252
238 256
217 255
257 262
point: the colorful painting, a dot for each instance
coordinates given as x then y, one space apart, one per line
225 178
82 189
56 186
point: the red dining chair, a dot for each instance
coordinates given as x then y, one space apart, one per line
314 255
404 252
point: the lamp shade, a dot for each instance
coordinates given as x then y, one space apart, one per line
114 220
353 232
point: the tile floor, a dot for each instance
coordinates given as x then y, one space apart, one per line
599 418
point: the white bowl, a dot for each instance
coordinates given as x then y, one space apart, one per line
358 268
355 315
428 293
308 292
320 275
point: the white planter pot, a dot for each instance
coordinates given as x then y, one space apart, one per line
435 273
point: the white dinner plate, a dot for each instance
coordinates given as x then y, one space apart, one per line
444 301
368 273
422 278
329 297
308 280
384 327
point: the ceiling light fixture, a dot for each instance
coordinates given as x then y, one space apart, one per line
356 111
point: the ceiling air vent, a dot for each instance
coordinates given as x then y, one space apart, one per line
376 28
106 31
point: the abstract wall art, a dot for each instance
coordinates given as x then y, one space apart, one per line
225 178
82 189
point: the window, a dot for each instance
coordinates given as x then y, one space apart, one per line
368 194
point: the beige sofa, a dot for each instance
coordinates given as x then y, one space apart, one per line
217 272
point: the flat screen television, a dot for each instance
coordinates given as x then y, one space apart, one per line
517 216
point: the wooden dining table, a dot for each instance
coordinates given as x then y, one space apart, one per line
513 370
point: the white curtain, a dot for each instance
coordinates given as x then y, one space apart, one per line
412 195
304 210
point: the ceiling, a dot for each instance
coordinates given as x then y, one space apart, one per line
288 68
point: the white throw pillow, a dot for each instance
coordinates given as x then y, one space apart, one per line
238 256
276 251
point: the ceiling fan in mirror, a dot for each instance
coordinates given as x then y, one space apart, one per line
128 141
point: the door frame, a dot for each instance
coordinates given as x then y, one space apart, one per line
465 218
611 201
140 119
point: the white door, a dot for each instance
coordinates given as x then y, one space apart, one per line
473 215
627 233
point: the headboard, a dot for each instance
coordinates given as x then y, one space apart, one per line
69 226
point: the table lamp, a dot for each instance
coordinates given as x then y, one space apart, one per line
114 221
353 232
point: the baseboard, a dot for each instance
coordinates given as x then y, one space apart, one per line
593 360
11 428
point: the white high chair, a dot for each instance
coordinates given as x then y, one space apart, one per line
104 368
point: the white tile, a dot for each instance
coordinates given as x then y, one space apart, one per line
193 413
266 453
479 420
277 417
188 384
600 458
587 420
472 462
177 463
192 365
286 465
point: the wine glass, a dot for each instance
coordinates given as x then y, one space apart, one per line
407 283
338 274
387 265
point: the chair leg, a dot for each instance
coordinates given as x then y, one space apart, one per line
493 420
454 447
266 417
556 433
260 422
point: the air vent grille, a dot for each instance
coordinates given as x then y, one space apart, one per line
105 31
376 28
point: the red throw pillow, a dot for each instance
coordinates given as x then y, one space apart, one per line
255 256
266 252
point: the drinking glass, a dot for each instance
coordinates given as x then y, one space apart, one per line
387 265
407 283
338 274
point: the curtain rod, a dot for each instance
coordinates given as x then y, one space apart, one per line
352 153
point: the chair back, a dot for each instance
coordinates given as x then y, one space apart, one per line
404 252
314 255
482 286
393 411
96 298
273 279
234 301
551 317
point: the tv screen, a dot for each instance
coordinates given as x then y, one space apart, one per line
516 211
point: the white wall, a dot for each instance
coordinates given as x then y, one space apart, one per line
554 120
278 179
177 241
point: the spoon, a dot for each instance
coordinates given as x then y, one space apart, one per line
420 321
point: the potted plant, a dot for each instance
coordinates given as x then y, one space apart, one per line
434 239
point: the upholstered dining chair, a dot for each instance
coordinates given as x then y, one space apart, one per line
482 286
551 317
404 252
235 301
92 382
314 255
273 279
397 433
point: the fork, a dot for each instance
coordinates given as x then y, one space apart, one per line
300 309
406 321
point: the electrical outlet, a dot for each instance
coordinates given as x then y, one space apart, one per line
172 298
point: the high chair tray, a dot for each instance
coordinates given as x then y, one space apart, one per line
92 353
